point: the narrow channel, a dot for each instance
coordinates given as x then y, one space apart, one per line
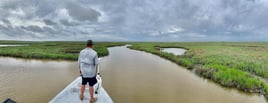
131 76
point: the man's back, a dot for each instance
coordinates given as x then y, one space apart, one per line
87 61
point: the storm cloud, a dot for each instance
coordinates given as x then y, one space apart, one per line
134 20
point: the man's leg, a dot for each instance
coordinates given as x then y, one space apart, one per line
92 81
82 89
91 92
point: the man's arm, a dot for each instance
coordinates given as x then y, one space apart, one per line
96 62
79 64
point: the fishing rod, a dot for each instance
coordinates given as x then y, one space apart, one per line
98 77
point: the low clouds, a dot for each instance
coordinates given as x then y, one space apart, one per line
134 20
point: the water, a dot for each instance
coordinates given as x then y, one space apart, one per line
34 81
129 76
1 45
175 51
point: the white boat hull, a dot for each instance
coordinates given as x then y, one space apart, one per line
71 93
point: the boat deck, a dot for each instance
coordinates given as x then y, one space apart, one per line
70 94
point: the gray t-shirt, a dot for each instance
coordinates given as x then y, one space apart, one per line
87 61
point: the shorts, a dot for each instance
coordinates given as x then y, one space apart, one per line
91 81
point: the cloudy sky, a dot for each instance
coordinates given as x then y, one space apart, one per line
134 20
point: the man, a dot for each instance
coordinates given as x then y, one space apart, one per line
88 62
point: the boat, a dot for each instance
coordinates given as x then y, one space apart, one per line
8 100
70 94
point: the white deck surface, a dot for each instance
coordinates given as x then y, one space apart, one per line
70 94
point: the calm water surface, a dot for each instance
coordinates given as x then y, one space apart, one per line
175 51
129 76
34 81
3 45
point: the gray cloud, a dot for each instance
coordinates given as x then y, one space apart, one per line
134 20
33 28
67 23
82 13
49 22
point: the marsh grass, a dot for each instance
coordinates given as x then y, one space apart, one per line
52 50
